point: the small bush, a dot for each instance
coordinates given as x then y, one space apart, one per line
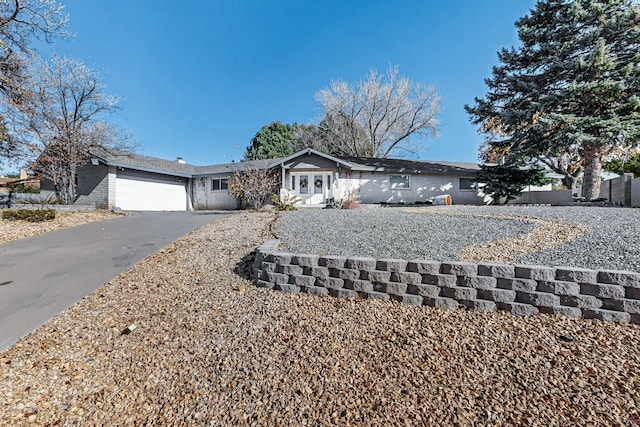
286 204
29 215
350 204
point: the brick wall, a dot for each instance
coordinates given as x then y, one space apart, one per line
93 186
519 289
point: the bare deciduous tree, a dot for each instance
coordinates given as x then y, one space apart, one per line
64 112
22 21
389 108
253 185
340 135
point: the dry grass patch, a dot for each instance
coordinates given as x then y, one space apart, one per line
11 230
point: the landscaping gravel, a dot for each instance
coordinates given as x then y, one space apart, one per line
210 349
389 232
589 237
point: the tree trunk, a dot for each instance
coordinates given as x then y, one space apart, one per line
568 181
71 185
592 173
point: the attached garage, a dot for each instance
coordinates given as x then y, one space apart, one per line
146 191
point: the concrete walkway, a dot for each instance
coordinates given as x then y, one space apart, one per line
42 276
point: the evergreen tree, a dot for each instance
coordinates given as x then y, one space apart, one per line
273 140
573 85
507 182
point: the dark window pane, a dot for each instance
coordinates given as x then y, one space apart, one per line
467 184
399 182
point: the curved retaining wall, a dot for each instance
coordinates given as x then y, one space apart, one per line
520 289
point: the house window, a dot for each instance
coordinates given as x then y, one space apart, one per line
219 184
468 184
317 184
328 182
399 182
304 184
293 182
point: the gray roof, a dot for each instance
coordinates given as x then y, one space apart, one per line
234 166
124 159
118 158
415 167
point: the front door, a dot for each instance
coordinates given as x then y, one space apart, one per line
313 188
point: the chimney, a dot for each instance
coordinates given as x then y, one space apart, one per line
180 160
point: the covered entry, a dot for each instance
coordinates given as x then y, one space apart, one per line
312 176
313 187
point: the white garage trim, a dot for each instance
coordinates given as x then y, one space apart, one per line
144 193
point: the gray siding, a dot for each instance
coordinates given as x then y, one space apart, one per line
93 186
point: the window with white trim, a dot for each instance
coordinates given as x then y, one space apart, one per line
399 182
304 184
218 184
317 184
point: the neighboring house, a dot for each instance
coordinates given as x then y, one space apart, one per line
136 182
25 179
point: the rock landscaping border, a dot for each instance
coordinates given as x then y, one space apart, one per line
523 290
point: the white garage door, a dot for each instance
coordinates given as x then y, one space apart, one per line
146 195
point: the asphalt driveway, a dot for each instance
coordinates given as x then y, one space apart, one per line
42 276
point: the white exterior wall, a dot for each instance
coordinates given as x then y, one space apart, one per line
375 188
204 198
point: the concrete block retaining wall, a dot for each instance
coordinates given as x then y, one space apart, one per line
520 289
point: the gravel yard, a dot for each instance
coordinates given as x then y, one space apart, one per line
589 237
14 230
211 349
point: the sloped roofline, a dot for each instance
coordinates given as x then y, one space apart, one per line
311 151
110 157
144 163
394 165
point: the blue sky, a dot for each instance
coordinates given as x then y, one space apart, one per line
198 78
